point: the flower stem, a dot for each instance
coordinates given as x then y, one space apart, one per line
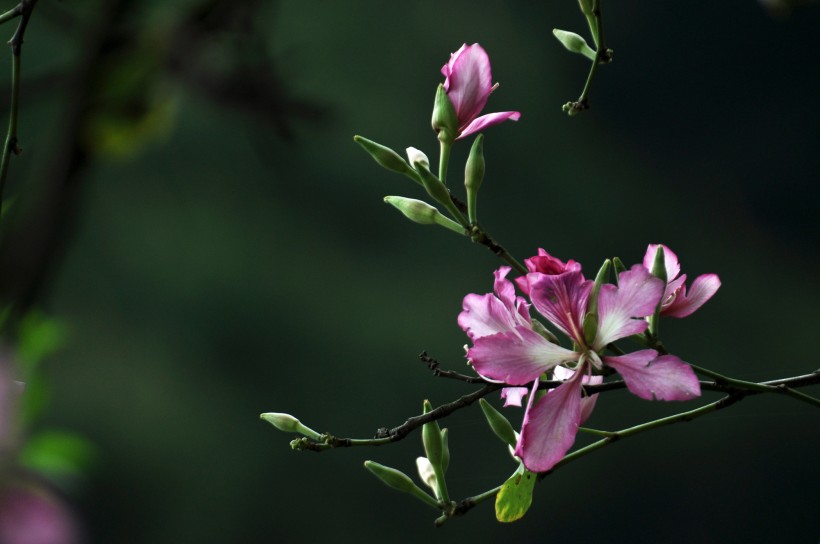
444 160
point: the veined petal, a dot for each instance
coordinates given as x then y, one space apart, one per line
513 395
656 378
669 258
637 295
545 264
562 299
468 81
488 314
703 288
550 427
588 401
516 357
479 124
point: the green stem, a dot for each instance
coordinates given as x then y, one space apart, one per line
11 135
11 14
752 386
444 160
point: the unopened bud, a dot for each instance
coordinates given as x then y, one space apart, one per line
445 449
431 437
414 156
436 189
289 424
426 472
386 157
498 423
422 212
474 175
573 42
399 481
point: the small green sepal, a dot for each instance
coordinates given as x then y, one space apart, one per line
445 119
659 271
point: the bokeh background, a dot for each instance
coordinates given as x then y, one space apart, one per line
192 210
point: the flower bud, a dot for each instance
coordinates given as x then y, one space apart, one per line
426 472
445 449
591 318
414 156
474 175
400 481
659 271
289 424
586 6
422 212
431 437
436 189
445 119
573 42
386 157
498 423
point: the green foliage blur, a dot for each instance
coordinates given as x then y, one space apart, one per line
191 206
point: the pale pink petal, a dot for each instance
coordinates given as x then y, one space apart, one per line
656 378
550 427
703 288
469 81
513 395
484 315
669 258
587 402
636 296
562 299
516 357
479 124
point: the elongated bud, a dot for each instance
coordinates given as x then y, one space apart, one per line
436 189
289 424
431 437
573 42
434 448
659 271
619 266
386 157
399 481
498 423
422 213
591 317
445 119
426 472
586 6
474 175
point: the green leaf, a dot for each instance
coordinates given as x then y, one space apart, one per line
515 497
58 453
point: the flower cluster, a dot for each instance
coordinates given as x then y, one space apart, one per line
511 347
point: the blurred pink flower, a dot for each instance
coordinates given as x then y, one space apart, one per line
30 514
468 84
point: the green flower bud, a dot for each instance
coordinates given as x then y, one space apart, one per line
498 423
659 271
591 318
434 448
386 157
289 424
445 119
422 212
426 472
586 6
436 189
474 175
445 449
619 266
400 481
575 43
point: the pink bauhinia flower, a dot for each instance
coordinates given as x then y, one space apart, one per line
676 301
468 84
546 264
518 355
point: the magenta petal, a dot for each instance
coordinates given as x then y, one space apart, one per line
516 357
550 427
562 299
636 296
513 395
588 402
469 81
656 378
477 125
703 288
484 315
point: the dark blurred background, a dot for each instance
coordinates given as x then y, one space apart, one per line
191 207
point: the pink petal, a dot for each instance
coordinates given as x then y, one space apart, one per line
587 402
516 357
669 258
469 81
636 296
488 314
656 378
513 395
550 427
703 288
479 124
545 264
562 299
